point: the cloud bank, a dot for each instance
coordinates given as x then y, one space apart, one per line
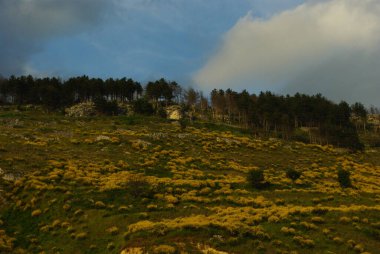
25 25
329 47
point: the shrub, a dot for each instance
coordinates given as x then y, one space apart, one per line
163 249
183 123
81 236
106 107
113 230
36 213
344 178
142 106
161 112
256 178
138 186
110 246
343 136
301 136
100 204
293 174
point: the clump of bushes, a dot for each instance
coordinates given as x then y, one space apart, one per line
183 123
257 179
139 187
36 213
164 249
304 242
100 204
161 112
106 107
113 230
6 242
81 236
344 178
293 174
143 107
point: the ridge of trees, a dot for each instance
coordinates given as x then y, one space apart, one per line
54 93
309 118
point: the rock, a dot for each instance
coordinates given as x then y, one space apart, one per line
173 112
81 109
9 177
102 137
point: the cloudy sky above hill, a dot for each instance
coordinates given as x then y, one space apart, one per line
311 46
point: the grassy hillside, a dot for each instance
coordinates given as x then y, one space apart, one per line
137 185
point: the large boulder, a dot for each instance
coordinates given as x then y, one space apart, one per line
174 112
82 109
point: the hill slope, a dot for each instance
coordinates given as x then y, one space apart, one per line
107 185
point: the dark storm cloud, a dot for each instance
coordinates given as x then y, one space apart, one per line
25 26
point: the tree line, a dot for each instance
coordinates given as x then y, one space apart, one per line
55 93
309 118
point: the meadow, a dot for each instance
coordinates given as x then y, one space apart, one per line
134 184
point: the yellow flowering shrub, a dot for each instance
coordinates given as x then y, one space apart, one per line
6 242
81 236
304 242
288 230
36 213
113 230
135 250
163 249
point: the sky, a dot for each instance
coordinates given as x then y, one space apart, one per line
284 46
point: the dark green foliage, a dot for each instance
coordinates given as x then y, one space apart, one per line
300 136
183 123
161 112
161 90
343 136
106 107
54 94
256 179
373 233
344 178
293 174
267 114
372 140
51 93
139 187
359 110
142 106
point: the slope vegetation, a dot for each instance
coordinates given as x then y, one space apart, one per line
143 184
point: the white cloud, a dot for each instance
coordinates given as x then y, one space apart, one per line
335 42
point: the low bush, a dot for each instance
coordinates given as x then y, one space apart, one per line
106 107
139 187
161 112
293 174
257 179
143 107
344 178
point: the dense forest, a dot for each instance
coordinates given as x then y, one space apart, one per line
302 117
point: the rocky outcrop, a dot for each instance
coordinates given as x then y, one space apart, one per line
174 112
81 109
